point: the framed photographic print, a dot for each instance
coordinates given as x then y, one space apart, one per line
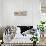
20 13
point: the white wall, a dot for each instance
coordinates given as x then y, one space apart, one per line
31 6
0 12
36 12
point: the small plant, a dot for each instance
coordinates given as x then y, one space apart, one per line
41 27
34 39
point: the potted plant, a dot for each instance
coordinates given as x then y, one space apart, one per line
34 39
41 27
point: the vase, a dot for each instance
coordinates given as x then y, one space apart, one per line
42 34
